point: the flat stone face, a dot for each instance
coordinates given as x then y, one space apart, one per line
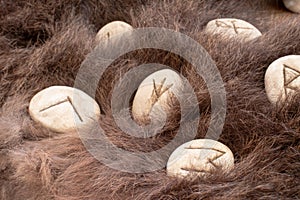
282 79
154 94
199 157
63 109
292 5
112 29
233 28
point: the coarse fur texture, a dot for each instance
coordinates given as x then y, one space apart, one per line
43 43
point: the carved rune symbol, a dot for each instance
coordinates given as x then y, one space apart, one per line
208 159
229 26
158 91
289 75
68 99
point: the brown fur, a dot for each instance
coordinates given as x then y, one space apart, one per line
44 44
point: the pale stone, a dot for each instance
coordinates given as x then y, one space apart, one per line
233 28
63 109
292 5
153 96
199 158
112 29
282 79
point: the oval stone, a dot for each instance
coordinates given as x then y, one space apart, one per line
199 157
292 5
154 94
282 79
112 29
233 28
64 109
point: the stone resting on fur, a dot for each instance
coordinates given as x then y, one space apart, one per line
43 43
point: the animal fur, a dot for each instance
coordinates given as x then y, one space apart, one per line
43 43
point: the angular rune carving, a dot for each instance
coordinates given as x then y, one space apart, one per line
209 160
68 99
229 26
289 75
158 91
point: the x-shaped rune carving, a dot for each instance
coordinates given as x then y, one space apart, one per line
209 160
289 75
232 25
68 99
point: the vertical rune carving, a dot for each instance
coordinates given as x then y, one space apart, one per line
68 99
233 26
289 76
158 91
284 81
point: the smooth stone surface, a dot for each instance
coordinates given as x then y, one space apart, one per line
292 5
233 28
112 29
57 109
153 96
282 78
199 157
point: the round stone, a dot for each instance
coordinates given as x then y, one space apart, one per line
112 29
233 28
154 94
292 5
282 79
199 158
64 109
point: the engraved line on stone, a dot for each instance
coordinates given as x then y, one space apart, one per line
206 149
235 28
212 163
212 159
165 89
238 27
286 83
159 90
215 158
286 66
222 24
69 99
193 170
292 88
56 104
